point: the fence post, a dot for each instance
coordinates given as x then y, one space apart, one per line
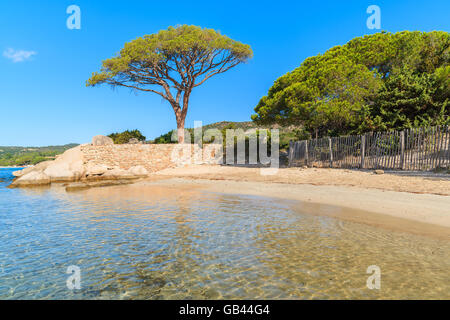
402 149
363 150
330 143
291 147
306 152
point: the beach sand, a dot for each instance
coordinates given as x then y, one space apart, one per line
418 205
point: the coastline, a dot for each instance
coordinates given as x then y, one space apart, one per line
414 204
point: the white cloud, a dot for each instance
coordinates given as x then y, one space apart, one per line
18 55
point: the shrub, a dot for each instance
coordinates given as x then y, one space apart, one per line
124 137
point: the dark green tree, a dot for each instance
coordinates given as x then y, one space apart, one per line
376 82
409 99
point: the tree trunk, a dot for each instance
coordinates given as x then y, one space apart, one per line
181 116
180 129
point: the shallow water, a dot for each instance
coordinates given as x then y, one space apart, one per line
167 243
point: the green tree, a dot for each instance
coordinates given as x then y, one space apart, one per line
409 99
171 63
376 82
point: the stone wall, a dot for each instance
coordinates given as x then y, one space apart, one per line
153 157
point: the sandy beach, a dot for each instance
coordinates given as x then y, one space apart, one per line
419 205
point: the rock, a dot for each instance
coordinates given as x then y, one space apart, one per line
71 166
102 141
118 173
138 171
20 173
60 172
32 178
134 141
379 171
96 169
68 166
41 166
79 186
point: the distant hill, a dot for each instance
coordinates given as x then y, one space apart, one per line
244 125
21 156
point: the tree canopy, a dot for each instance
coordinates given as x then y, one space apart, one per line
171 63
376 82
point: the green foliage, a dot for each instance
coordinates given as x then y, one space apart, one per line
407 99
286 133
165 138
125 136
376 82
171 63
21 156
155 52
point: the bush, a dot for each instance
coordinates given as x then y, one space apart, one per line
124 137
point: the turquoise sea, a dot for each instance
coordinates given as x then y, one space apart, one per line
165 243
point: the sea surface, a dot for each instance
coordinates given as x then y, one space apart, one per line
181 243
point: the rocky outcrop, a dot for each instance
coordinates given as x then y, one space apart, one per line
40 166
96 169
138 171
66 167
77 186
102 141
33 178
134 141
104 161
72 167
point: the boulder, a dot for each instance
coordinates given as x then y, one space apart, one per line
134 141
102 141
68 166
139 171
92 170
379 171
118 173
41 166
32 178
61 172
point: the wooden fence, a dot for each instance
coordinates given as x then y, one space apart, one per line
412 149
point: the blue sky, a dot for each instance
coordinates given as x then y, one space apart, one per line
44 100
